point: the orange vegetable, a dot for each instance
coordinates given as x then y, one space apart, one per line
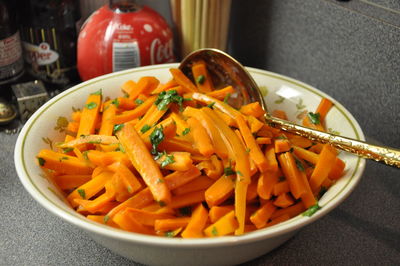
197 223
135 113
282 145
325 162
145 86
144 163
262 215
171 224
224 226
216 212
284 200
202 78
323 108
107 125
199 183
253 109
90 115
182 80
201 138
62 163
221 190
221 94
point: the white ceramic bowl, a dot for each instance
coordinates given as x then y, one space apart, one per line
280 92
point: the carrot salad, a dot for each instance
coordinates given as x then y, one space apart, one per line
176 160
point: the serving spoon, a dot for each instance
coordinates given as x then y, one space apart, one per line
225 70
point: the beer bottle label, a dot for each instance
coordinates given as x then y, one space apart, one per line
11 62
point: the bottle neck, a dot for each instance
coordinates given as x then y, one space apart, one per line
124 6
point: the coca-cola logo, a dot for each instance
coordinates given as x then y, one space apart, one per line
161 53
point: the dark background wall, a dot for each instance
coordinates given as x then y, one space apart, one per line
350 50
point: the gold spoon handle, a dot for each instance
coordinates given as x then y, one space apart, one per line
382 154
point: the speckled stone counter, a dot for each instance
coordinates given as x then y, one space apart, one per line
346 53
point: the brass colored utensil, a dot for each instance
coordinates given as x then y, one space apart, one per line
225 70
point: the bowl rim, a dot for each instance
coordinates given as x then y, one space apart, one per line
291 225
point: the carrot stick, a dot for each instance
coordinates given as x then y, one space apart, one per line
129 86
163 87
90 115
284 200
213 168
223 107
221 190
325 162
124 103
337 169
145 217
135 113
323 108
221 94
263 140
305 154
253 109
182 80
201 138
177 161
178 179
171 224
255 124
281 145
281 187
266 183
66 182
144 86
89 139
299 141
150 118
290 211
224 226
187 199
129 179
93 206
127 221
255 152
197 222
100 219
307 198
279 219
62 163
292 174
107 126
216 212
199 183
262 215
144 163
202 77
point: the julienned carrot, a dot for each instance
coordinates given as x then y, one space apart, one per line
270 156
128 86
99 158
284 200
281 187
221 190
266 183
262 215
125 103
254 150
152 116
282 145
144 163
251 194
300 141
131 182
253 109
127 221
171 224
187 199
62 163
197 223
224 226
291 172
279 219
145 85
135 113
337 169
323 108
201 138
325 162
290 211
147 218
90 114
100 219
163 87
66 182
201 77
169 130
182 80
176 161
107 125
212 167
223 107
305 154
199 183
216 212
254 123
222 94
176 144
93 206
263 140
89 139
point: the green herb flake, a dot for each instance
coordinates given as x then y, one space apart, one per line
145 128
314 118
211 105
169 234
200 79
61 124
120 148
166 97
95 141
239 173
117 127
160 181
248 150
66 150
41 161
299 165
229 171
313 209
138 101
214 231
82 193
186 131
99 92
91 105
156 137
106 218
85 155
63 159
130 190
226 98
168 160
115 102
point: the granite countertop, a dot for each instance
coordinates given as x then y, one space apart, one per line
363 230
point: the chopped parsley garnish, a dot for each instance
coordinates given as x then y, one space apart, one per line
313 209
115 102
227 97
299 164
168 160
120 148
160 181
314 118
145 128
99 92
229 171
169 234
82 193
214 231
211 105
41 161
239 173
63 158
95 141
186 131
138 101
91 105
156 137
247 150
106 218
129 188
167 97
200 79
84 154
118 127
66 150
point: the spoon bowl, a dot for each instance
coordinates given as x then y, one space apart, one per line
225 70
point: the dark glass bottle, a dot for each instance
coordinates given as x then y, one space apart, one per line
11 62
49 34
